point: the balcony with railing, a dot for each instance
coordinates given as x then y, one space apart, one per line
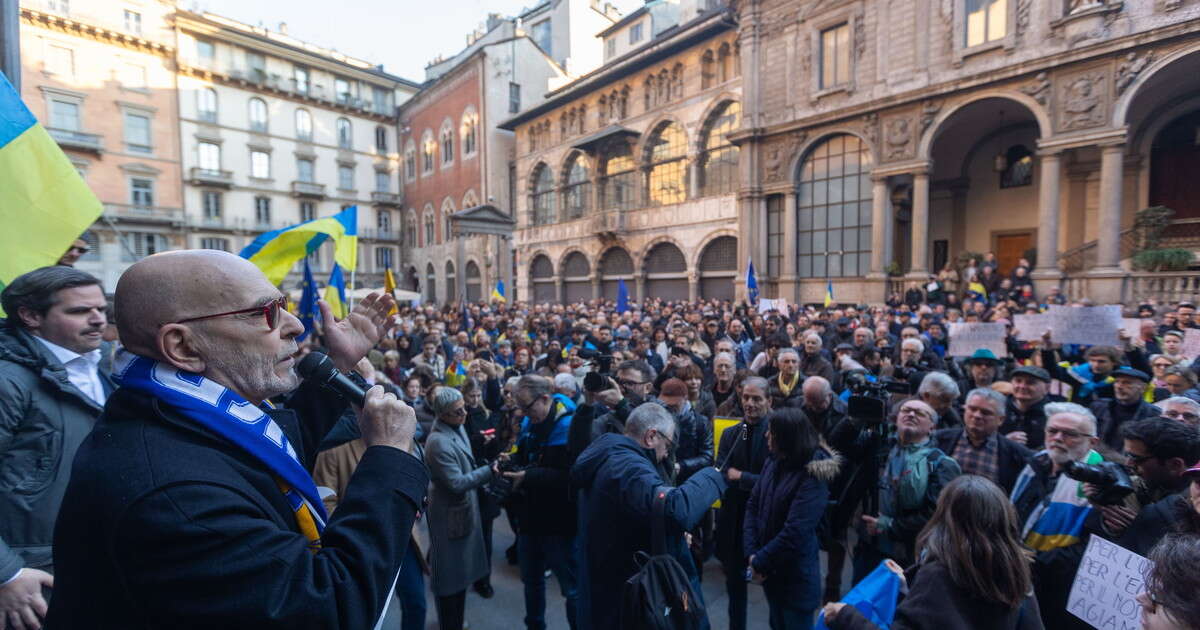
383 198
78 140
211 177
143 214
378 234
308 189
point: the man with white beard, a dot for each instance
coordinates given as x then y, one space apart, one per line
1055 516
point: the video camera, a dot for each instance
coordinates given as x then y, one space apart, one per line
597 379
868 399
1110 478
500 488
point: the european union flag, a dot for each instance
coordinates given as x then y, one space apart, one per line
622 296
308 303
751 283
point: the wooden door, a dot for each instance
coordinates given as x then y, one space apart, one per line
1010 249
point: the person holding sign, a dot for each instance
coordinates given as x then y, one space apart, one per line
1091 380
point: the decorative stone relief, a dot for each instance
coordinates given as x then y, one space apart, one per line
1083 101
1022 18
1039 89
778 155
870 128
897 138
860 37
1129 69
947 15
1170 5
929 111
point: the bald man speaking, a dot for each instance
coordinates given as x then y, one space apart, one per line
190 504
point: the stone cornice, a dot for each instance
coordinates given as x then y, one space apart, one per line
94 32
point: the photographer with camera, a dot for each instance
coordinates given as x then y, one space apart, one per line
914 474
541 497
1056 516
1159 451
607 403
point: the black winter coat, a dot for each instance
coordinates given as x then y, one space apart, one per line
744 447
935 602
167 525
693 443
1108 427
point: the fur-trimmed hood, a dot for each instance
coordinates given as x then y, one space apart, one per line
826 463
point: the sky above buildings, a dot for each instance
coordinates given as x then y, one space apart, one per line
403 35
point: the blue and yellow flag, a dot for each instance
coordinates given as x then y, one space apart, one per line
308 312
498 292
44 204
275 252
828 293
335 293
389 287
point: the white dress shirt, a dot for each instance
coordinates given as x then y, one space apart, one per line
82 369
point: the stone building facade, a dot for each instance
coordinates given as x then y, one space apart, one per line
100 78
893 136
628 174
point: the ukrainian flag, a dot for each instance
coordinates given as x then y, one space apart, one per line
275 252
828 293
335 293
389 287
498 292
44 204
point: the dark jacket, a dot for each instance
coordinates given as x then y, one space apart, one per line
1032 422
827 420
543 505
166 525
936 602
705 405
43 420
779 400
592 420
693 442
1010 456
1110 415
744 447
899 522
617 480
1155 521
781 527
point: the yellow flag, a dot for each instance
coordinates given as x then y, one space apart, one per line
389 287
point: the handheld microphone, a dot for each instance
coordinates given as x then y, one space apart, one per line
319 368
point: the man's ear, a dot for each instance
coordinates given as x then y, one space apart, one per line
177 346
29 318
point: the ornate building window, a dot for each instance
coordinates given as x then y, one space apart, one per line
344 135
719 162
618 183
303 125
541 199
834 209
447 142
666 160
577 195
428 147
258 115
469 132
986 21
835 56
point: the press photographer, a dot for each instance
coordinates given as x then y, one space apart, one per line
608 402
1159 451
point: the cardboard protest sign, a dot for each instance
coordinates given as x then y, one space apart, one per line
1030 327
966 338
1086 325
766 305
1106 585
1191 343
1132 326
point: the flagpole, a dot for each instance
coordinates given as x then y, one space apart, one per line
350 293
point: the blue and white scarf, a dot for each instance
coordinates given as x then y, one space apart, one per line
222 411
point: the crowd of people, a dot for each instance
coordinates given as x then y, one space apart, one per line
846 432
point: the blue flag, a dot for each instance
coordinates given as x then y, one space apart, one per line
335 293
751 284
622 296
875 597
308 311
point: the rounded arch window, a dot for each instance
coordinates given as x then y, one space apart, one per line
719 172
666 159
618 177
833 205
577 195
542 196
258 115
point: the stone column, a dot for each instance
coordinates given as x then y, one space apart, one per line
595 278
1108 246
788 282
560 292
693 286
639 286
920 226
460 272
505 251
879 231
1048 213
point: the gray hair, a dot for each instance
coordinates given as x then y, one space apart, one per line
443 399
821 383
1178 400
1053 409
912 341
726 356
993 396
565 381
1182 371
938 384
512 382
757 381
647 417
533 386
788 351
813 334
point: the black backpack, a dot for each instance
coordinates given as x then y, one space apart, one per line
660 596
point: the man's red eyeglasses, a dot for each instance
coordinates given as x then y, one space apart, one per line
270 311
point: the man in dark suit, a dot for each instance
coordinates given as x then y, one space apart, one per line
173 519
978 447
